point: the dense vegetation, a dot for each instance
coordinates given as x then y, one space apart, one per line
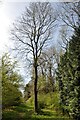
11 82
68 76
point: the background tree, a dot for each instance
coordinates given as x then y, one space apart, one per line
30 34
69 18
47 67
11 82
70 14
28 90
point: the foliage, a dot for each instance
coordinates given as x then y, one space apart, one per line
46 100
42 84
11 81
28 90
68 76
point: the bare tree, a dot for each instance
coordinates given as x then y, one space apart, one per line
70 14
69 19
31 33
48 63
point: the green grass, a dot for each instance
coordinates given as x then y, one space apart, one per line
24 112
21 112
50 109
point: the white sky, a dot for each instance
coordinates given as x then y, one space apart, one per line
9 11
4 22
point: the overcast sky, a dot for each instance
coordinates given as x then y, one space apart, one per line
9 11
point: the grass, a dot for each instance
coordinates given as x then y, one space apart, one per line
50 109
24 112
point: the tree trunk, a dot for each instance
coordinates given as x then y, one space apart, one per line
35 82
35 91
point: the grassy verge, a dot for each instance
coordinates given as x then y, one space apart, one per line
49 109
24 112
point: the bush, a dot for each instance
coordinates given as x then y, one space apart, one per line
42 104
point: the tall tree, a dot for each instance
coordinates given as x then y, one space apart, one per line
31 32
69 77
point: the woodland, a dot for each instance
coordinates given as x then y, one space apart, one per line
53 66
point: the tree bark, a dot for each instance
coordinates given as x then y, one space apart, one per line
35 90
36 80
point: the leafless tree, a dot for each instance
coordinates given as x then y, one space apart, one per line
69 19
70 13
31 33
48 63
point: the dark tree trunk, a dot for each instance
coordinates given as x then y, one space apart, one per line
35 90
51 78
35 82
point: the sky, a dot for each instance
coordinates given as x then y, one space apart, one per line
9 11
